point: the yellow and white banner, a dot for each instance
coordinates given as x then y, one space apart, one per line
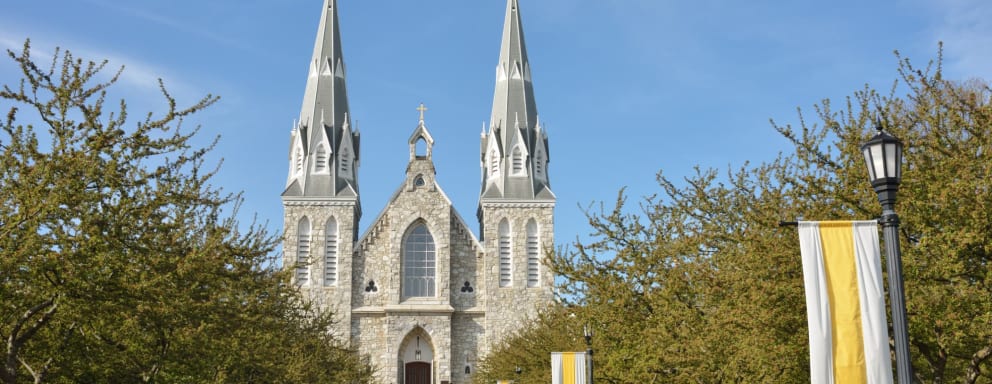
568 367
845 301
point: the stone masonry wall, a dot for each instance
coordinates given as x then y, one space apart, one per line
509 308
461 322
337 297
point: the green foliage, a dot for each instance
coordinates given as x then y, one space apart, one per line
555 330
117 262
702 285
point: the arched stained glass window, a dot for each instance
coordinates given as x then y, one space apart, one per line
419 263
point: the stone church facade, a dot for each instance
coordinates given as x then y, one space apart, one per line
418 291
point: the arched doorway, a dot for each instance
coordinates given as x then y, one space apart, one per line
416 358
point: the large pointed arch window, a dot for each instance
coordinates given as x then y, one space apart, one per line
505 258
419 263
331 253
303 252
533 255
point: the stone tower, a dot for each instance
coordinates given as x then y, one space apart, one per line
418 292
516 205
321 203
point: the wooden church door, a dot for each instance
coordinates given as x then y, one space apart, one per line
418 373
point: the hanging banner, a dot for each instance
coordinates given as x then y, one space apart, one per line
845 303
568 367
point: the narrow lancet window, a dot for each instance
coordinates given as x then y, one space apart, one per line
539 165
345 162
518 161
321 159
505 257
298 158
493 163
331 253
303 252
533 255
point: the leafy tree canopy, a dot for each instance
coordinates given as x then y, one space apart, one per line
117 262
702 285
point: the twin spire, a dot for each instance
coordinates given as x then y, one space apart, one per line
513 102
515 150
325 93
324 152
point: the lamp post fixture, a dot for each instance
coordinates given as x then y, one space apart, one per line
883 155
517 371
587 332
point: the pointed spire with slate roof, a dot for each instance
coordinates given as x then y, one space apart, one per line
514 152
324 152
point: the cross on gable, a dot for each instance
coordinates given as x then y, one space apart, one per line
422 109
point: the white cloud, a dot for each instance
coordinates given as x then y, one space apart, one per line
966 30
171 23
139 82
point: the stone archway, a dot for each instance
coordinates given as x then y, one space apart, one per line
416 358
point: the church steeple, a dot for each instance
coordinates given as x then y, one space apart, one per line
324 151
515 148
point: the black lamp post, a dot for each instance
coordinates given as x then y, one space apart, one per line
883 154
518 371
587 332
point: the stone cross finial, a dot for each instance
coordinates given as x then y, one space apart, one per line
422 109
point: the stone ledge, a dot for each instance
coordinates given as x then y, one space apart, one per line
404 308
473 311
410 308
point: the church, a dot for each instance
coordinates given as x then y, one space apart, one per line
419 292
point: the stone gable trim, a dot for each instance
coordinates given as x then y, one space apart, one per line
318 202
517 204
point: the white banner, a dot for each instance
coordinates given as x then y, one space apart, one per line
568 367
845 301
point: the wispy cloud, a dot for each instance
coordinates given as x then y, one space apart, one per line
966 30
177 25
139 79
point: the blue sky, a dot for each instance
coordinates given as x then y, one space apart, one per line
625 87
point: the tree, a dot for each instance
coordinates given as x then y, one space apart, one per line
701 284
529 348
117 260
